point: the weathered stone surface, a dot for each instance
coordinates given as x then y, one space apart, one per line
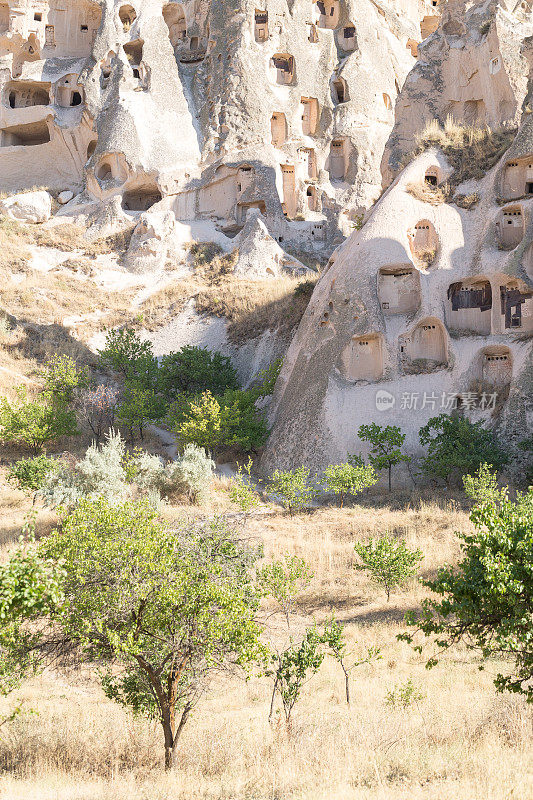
28 207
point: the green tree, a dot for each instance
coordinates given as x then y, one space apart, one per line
241 491
486 601
217 423
30 587
386 450
390 563
29 474
336 640
139 406
348 479
35 423
162 610
284 580
62 376
265 380
457 447
193 370
292 488
125 352
294 667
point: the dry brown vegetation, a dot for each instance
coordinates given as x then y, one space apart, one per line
462 740
251 307
471 150
434 195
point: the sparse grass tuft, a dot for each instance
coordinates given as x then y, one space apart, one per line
435 195
467 200
471 150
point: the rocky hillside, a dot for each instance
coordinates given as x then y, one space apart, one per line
190 169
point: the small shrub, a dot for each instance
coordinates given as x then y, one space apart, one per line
99 474
194 472
348 479
404 695
467 200
241 492
35 423
127 354
29 474
390 563
292 488
62 377
284 580
99 408
205 252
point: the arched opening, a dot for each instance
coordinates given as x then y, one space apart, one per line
516 307
127 16
432 176
469 305
174 17
261 26
76 99
68 93
141 199
362 358
329 11
425 348
278 128
290 199
245 177
387 102
492 370
312 200
518 178
22 94
398 289
134 52
309 115
510 227
91 148
282 69
337 160
104 172
339 91
423 243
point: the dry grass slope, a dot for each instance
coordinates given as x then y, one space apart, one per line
462 740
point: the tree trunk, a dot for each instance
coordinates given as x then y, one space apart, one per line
347 681
390 478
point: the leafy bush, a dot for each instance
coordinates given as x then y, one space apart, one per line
486 600
29 474
35 423
193 370
343 479
126 353
390 563
284 580
404 695
62 377
265 380
138 407
190 474
99 474
457 447
386 447
292 488
241 492
216 423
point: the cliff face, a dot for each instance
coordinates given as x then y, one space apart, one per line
274 125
